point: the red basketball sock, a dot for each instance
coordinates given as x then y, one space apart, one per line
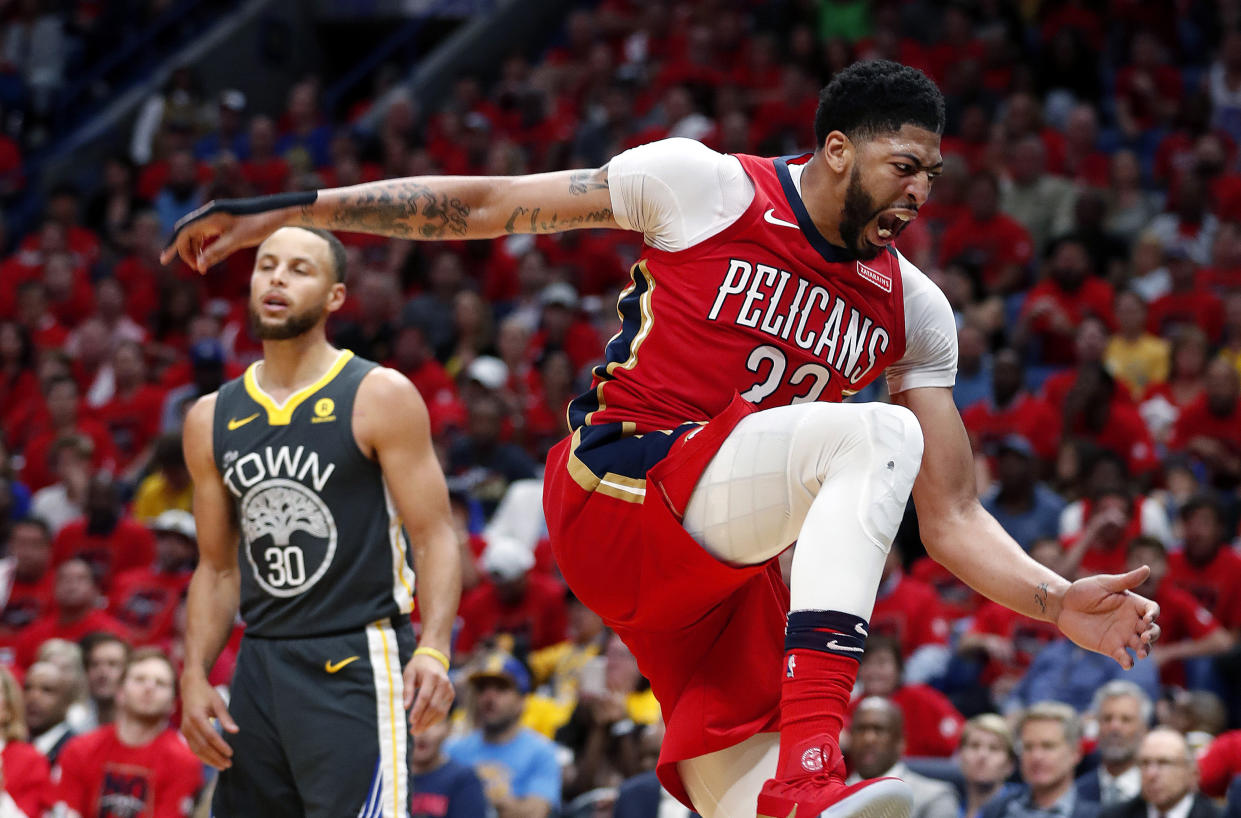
813 701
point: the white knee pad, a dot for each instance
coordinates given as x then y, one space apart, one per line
895 458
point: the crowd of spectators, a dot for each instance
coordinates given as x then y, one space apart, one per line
1086 230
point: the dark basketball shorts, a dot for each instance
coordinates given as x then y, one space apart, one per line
323 728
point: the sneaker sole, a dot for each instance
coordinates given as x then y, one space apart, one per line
886 798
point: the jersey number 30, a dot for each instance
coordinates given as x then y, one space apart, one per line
285 566
778 362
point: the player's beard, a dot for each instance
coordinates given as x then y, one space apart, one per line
858 210
293 325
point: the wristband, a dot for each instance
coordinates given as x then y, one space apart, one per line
434 654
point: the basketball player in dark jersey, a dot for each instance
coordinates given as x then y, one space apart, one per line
713 436
316 496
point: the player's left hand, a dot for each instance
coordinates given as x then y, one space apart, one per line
1103 614
428 692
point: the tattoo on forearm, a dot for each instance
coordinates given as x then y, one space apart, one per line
582 182
401 208
532 220
1040 596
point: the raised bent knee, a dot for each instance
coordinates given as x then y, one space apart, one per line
895 428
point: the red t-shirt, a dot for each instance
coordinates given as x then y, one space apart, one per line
27 602
991 244
50 626
1197 420
957 598
1027 415
101 777
1181 618
1214 585
932 724
1220 763
37 473
130 545
1124 433
540 616
910 612
1198 307
1093 297
1165 83
27 778
1027 635
133 420
146 600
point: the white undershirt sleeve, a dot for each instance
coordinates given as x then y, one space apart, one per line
930 335
677 192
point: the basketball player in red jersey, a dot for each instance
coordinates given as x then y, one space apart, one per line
713 436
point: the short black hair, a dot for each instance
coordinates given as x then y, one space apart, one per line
340 261
878 96
36 522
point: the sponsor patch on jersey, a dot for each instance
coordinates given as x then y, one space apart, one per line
880 280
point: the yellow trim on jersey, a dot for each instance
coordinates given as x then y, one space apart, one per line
629 489
281 414
648 323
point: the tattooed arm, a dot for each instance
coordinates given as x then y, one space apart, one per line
1100 613
424 208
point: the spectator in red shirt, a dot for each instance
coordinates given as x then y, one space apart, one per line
1056 305
78 611
528 606
1186 304
139 758
1089 345
36 318
1012 410
1097 409
909 611
932 724
986 240
18 384
63 209
1220 763
132 415
104 656
1188 631
146 598
1206 567
1209 429
1103 543
25 776
1083 161
562 328
105 536
64 418
1147 90
265 170
30 594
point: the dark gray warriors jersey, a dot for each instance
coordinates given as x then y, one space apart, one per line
322 549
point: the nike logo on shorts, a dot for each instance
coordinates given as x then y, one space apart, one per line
770 218
333 667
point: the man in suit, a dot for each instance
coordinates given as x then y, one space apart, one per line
877 742
1050 738
1123 712
1169 781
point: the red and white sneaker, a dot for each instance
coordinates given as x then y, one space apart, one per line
821 791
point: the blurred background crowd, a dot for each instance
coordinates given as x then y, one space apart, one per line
1086 230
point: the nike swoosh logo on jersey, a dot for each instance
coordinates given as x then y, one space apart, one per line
333 667
237 423
858 627
834 645
770 218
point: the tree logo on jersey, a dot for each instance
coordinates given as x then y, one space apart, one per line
290 536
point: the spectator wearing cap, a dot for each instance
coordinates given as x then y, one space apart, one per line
77 611
207 373
229 136
1169 785
1027 508
1205 566
146 598
61 396
168 485
1190 634
105 536
528 606
932 723
561 328
1186 303
517 766
439 786
480 457
1209 429
1133 355
876 745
